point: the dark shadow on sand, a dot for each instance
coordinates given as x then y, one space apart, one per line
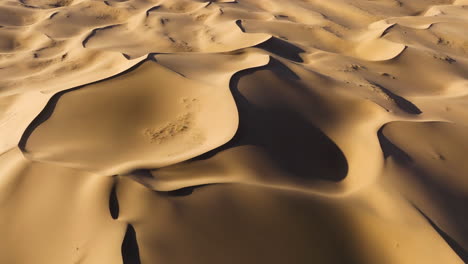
459 250
295 145
282 48
130 251
113 202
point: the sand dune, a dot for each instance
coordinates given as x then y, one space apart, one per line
248 131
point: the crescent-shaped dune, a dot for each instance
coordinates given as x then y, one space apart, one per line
233 131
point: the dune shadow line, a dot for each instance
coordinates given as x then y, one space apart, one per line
401 102
292 142
459 250
390 149
114 208
130 250
93 33
444 197
282 48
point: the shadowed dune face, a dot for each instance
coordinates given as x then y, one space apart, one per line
275 142
192 131
268 120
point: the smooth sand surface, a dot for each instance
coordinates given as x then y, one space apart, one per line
247 131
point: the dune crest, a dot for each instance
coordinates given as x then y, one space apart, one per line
177 128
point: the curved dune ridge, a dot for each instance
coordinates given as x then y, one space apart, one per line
247 131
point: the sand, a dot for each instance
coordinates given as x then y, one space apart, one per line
247 131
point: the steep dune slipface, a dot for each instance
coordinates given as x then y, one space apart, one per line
190 131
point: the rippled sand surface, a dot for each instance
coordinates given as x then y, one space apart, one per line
248 131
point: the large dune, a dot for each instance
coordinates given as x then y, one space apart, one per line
244 131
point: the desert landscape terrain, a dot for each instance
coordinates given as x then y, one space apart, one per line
233 131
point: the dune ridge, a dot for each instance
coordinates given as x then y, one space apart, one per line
235 131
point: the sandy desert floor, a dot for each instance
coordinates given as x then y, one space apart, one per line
229 132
